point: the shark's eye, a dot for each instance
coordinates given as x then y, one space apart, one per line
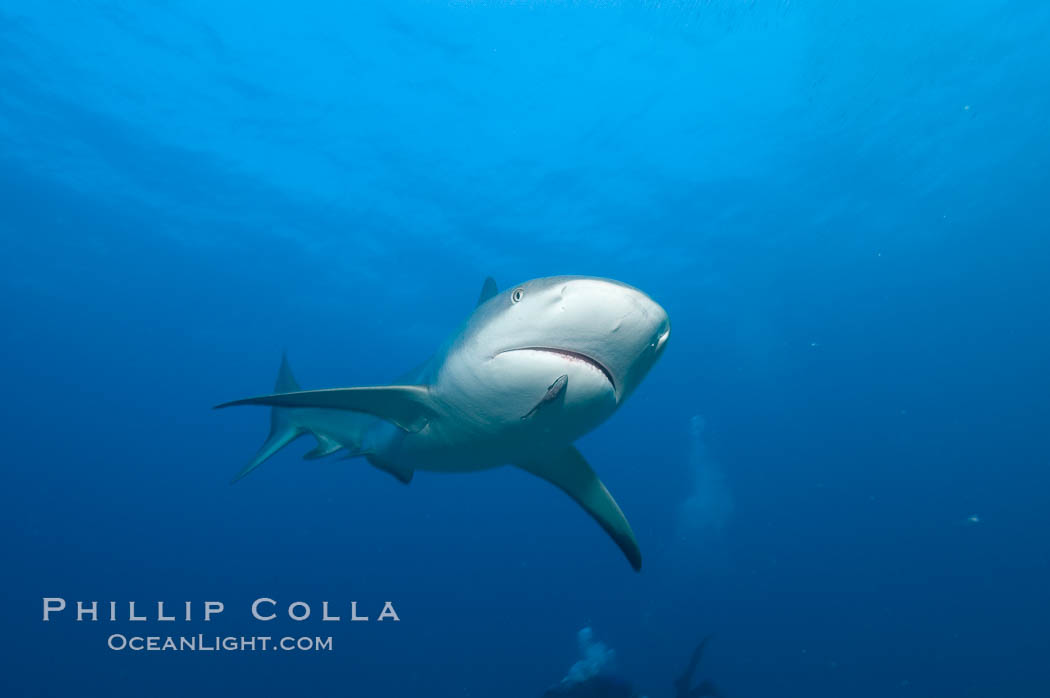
517 294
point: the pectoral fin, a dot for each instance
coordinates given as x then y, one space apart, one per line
407 406
569 471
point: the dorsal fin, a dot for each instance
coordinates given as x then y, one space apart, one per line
488 290
286 382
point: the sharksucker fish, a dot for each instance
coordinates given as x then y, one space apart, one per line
532 370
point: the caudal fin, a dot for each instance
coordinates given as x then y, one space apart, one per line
283 430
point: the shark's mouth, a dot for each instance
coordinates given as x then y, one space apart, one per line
573 356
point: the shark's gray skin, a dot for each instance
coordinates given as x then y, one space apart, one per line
533 369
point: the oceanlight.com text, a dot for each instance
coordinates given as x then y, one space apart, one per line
216 643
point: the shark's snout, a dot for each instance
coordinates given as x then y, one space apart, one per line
618 326
614 328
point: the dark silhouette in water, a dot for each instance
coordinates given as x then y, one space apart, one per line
602 686
682 683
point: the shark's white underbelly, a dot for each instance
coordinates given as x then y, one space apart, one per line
486 420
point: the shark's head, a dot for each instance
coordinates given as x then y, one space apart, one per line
607 332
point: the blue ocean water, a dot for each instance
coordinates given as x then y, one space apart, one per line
839 467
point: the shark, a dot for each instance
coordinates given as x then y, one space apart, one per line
532 370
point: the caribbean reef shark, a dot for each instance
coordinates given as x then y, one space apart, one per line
532 370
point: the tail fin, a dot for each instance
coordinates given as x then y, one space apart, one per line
282 429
